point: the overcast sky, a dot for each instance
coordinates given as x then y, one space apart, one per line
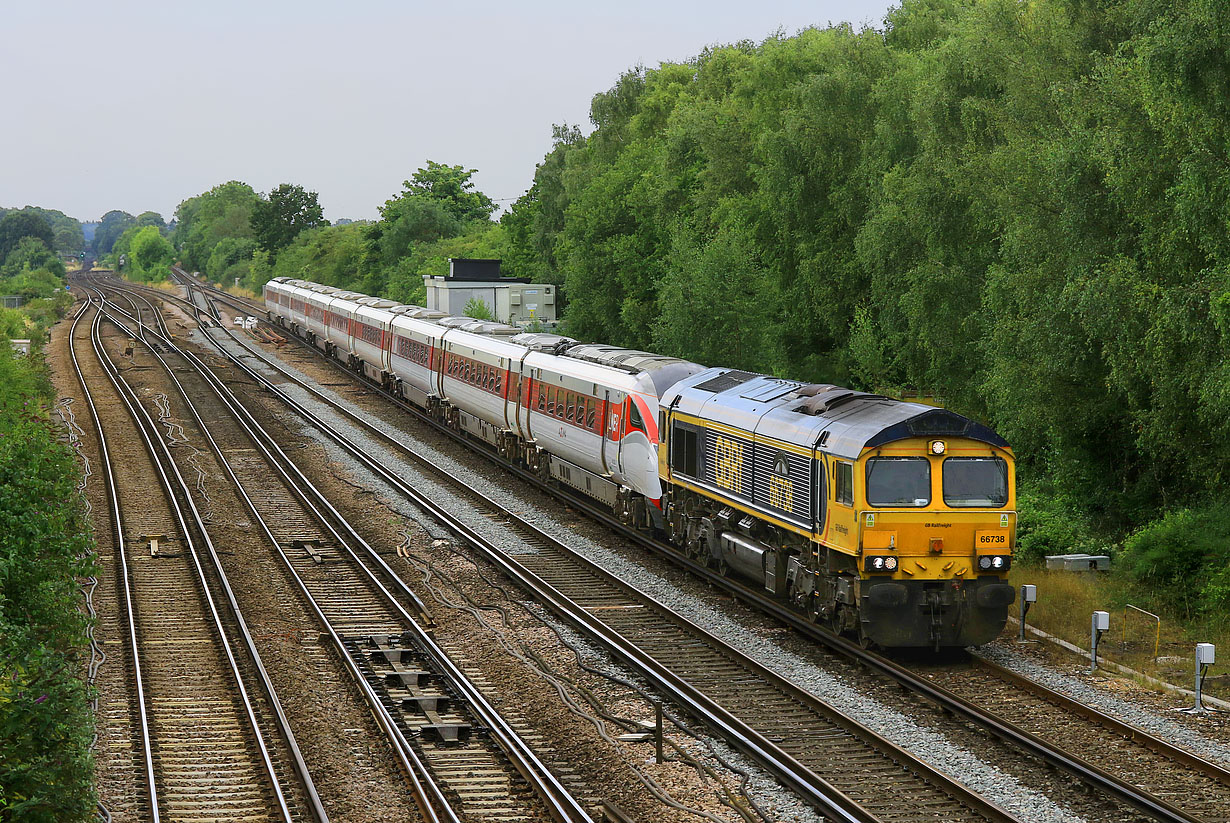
133 105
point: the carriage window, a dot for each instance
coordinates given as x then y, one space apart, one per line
899 481
580 418
843 482
634 419
542 398
571 414
592 419
976 482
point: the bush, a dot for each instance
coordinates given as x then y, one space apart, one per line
1049 523
46 727
1182 559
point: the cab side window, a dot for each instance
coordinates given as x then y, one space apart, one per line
843 482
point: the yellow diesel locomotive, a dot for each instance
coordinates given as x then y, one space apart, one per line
893 521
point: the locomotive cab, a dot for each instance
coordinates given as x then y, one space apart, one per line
935 526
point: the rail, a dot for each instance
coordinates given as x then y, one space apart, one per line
560 803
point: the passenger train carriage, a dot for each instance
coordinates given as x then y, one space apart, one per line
888 520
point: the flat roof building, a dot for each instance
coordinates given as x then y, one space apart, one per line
512 300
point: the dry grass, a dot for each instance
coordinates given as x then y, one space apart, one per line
240 291
1066 601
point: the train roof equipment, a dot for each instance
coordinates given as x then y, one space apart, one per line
842 421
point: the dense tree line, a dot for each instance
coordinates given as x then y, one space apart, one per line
234 233
67 237
46 770
1017 207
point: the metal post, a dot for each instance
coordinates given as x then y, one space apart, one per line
1205 657
657 734
1099 623
1029 594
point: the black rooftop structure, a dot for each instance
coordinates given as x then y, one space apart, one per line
476 269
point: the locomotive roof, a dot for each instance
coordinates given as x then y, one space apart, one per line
800 413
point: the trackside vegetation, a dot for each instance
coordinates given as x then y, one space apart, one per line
46 727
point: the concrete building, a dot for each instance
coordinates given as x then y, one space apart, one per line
513 300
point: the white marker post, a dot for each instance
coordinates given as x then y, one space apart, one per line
1029 596
1099 624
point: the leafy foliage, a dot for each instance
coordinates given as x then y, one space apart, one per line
31 254
46 727
17 226
478 309
112 226
1014 206
1183 558
68 236
279 218
147 254
451 187
203 221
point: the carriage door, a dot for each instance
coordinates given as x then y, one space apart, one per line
610 433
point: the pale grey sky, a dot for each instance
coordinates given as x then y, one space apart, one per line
137 105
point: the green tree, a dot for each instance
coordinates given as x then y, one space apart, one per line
150 254
152 218
113 224
68 234
17 225
231 257
201 222
406 221
279 218
452 187
31 253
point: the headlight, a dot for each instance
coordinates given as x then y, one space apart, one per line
994 562
880 563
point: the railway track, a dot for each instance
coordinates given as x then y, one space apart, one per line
1199 788
465 761
1163 784
212 740
799 737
